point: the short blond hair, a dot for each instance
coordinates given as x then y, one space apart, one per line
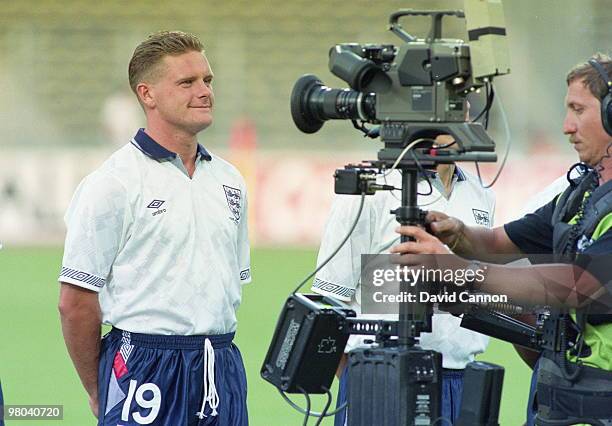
149 54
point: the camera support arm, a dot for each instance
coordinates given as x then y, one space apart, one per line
436 22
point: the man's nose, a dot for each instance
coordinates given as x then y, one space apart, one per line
204 89
569 124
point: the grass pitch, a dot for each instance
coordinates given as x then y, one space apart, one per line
35 367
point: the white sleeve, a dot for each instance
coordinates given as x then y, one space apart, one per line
96 220
546 195
339 278
492 202
244 251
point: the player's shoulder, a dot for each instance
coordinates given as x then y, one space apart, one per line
226 169
114 174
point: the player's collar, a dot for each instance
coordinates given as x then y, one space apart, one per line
458 173
148 146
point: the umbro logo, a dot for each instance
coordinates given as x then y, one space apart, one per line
156 204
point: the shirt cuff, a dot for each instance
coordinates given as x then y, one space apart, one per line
326 288
81 279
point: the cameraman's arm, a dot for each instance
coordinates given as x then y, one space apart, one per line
471 241
528 355
552 284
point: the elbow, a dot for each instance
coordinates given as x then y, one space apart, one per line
77 304
66 308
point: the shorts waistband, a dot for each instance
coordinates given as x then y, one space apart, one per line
452 373
162 341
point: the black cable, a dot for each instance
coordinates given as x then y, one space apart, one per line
305 280
422 172
307 414
600 167
487 104
486 118
360 127
445 146
329 400
576 230
569 375
503 164
420 168
367 133
312 413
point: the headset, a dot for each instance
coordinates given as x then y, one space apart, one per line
606 102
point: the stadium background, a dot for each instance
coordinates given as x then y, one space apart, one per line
65 105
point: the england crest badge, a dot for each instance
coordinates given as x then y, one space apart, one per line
234 200
481 217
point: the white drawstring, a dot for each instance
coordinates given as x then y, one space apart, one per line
210 390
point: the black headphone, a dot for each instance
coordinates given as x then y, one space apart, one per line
606 102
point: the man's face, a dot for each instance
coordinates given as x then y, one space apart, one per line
181 97
583 123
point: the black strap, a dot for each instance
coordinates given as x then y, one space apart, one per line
572 403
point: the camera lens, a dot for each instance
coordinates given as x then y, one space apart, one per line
312 103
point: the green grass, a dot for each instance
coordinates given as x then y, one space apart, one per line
35 368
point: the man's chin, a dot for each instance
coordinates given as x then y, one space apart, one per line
198 127
589 162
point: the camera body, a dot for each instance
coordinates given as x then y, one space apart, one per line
416 90
415 82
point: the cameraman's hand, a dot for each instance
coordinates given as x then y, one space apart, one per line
447 229
425 250
424 243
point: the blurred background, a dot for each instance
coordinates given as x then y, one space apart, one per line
65 105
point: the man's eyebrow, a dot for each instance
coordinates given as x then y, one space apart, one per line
573 104
194 77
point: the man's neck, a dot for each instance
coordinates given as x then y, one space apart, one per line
446 172
182 143
605 169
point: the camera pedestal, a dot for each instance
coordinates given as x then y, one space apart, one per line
394 386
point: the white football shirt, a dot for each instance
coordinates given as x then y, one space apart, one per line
167 253
375 234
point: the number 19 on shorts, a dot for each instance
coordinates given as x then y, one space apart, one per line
153 402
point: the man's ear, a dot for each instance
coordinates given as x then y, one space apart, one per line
145 95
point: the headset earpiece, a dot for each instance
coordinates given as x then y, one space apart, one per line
606 102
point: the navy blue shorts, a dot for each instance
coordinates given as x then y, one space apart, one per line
452 390
171 380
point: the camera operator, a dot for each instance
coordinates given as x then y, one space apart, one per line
450 189
574 386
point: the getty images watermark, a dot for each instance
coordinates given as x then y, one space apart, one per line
385 283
